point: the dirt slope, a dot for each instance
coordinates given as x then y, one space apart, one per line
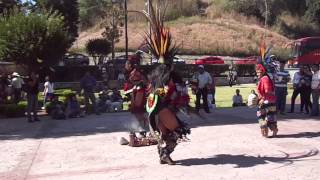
220 36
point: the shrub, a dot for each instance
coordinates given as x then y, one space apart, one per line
98 47
13 110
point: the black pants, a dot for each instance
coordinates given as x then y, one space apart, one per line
295 93
17 95
305 99
204 93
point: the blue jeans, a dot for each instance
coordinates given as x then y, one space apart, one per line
32 105
281 94
315 102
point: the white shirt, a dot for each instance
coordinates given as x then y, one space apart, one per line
17 82
48 87
315 84
203 79
121 76
296 78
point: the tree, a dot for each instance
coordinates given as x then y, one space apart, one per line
112 26
313 11
98 48
92 11
69 9
7 4
33 39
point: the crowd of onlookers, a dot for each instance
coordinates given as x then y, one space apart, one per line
306 83
11 86
14 88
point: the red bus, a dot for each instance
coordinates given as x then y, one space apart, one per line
306 51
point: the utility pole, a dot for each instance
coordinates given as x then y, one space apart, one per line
266 18
149 25
126 25
113 34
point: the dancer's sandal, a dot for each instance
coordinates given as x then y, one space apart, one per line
167 160
275 132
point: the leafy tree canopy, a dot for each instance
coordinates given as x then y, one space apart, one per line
33 38
69 9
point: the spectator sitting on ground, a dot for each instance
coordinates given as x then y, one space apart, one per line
237 99
103 101
57 109
253 99
116 101
73 107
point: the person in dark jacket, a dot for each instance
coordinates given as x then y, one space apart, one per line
88 84
32 96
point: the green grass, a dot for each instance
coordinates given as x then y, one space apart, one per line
224 94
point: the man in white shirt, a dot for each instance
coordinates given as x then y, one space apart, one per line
296 88
203 79
17 83
315 86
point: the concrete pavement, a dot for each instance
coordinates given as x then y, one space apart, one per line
225 144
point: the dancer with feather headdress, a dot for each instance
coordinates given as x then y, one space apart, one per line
266 113
163 120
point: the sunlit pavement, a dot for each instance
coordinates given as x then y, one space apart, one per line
225 144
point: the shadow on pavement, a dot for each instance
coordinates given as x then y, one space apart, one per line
17 129
300 135
246 161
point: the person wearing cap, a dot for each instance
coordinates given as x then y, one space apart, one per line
17 83
203 80
266 102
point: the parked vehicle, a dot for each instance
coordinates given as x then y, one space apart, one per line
209 60
178 60
75 59
121 60
306 51
247 60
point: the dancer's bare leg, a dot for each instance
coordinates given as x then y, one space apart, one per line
167 125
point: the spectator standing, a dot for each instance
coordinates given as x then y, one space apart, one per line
203 80
48 91
305 84
237 99
17 83
32 96
3 87
213 89
296 88
281 84
121 79
315 86
105 76
88 84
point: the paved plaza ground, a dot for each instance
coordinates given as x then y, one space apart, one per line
224 145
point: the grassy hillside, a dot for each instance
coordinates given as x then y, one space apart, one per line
209 27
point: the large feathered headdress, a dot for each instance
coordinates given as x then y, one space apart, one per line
159 40
267 60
